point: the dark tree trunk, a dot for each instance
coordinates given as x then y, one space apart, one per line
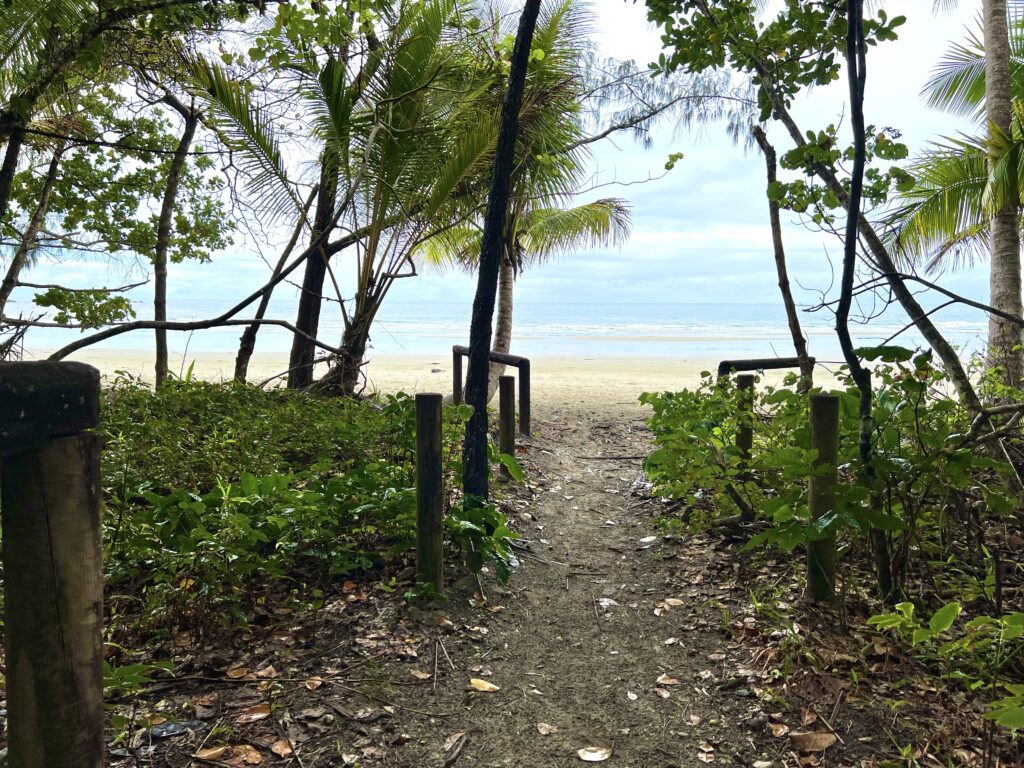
475 465
307 319
28 237
247 342
951 362
343 376
793 318
9 167
856 74
163 238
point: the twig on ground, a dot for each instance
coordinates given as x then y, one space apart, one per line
436 641
445 652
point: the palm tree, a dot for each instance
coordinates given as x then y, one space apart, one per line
548 173
966 199
394 130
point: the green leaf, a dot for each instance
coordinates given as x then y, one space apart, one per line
1008 717
943 618
513 467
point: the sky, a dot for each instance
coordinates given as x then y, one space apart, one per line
700 234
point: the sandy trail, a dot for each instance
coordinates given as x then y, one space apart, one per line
580 644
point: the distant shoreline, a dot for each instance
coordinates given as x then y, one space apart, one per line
567 381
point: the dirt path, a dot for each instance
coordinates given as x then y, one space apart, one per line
609 635
585 632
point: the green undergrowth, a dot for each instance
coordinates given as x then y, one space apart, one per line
937 511
223 498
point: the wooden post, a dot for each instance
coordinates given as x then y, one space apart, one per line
429 488
506 419
52 559
745 432
821 554
524 397
456 377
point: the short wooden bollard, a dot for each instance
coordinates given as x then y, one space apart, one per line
456 377
506 418
745 432
821 554
524 397
52 558
429 489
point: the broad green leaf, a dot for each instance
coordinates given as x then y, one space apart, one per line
943 618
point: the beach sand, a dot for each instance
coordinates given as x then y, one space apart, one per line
575 382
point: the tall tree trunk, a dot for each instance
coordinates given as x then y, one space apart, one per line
247 342
163 238
856 76
792 317
10 166
474 453
28 237
343 376
307 319
951 362
1004 338
503 322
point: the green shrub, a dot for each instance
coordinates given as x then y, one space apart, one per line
218 495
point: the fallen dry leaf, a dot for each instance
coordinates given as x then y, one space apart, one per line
594 754
662 692
246 754
666 680
314 682
420 674
236 673
631 696
267 673
544 729
254 713
281 748
210 753
483 685
812 741
808 716
706 757
452 740
778 729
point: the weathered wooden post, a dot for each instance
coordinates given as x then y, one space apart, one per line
821 554
457 376
745 432
52 559
524 397
429 489
506 419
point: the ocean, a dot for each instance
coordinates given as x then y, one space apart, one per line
691 330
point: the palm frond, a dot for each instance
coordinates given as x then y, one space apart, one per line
945 202
551 231
248 131
957 83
